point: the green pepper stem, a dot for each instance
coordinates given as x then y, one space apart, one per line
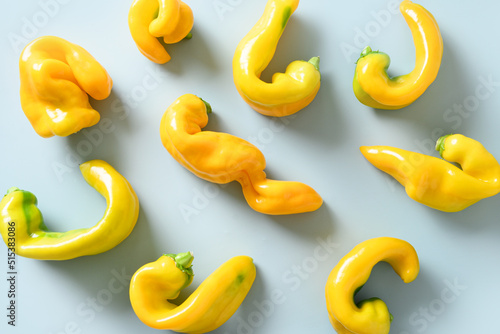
208 106
12 189
315 62
440 144
183 261
367 50
189 36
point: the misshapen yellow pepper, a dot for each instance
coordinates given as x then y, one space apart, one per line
56 77
288 92
171 20
25 233
370 316
207 308
222 158
373 87
438 183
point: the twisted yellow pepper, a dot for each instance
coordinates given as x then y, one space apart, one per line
25 233
288 92
56 77
206 309
437 183
370 316
373 87
171 20
222 158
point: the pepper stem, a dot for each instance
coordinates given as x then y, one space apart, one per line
189 36
183 261
12 189
315 62
365 52
440 144
208 106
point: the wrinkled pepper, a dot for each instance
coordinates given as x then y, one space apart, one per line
372 85
370 316
222 158
288 92
436 182
25 233
172 20
56 77
207 308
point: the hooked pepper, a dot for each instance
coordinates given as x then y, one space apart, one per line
373 87
370 316
207 308
172 20
222 158
56 77
436 182
25 233
288 92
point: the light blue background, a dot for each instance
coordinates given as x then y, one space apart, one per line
318 146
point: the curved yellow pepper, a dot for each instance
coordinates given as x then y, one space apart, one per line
207 308
373 87
149 19
56 77
222 158
370 316
437 183
25 233
288 92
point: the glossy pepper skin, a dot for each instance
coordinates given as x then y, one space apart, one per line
373 87
370 316
19 214
288 92
56 78
222 158
206 309
436 182
172 20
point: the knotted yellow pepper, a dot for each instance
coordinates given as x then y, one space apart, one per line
171 20
56 77
437 183
288 92
222 158
370 316
207 308
373 87
25 233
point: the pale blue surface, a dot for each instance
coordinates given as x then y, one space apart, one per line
318 146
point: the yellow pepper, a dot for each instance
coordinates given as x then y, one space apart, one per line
437 183
222 158
370 316
207 308
373 87
171 20
288 92
25 233
56 77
